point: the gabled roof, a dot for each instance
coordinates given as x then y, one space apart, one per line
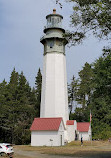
83 126
46 124
70 122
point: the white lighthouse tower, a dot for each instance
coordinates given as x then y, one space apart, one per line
51 128
54 100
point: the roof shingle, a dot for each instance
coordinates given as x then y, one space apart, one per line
46 124
83 126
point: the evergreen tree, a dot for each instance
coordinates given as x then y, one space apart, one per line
72 94
80 114
12 102
38 86
3 111
85 85
96 83
16 109
25 111
101 98
3 87
80 91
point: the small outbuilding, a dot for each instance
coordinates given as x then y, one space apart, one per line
47 132
84 130
71 126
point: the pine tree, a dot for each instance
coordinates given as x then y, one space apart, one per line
82 91
38 86
25 111
85 85
16 109
101 98
3 111
72 93
12 102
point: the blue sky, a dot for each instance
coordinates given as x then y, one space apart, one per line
21 27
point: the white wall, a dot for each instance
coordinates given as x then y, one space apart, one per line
43 138
54 101
48 138
85 135
71 133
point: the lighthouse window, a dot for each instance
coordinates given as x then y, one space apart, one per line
52 21
55 22
49 19
58 20
51 44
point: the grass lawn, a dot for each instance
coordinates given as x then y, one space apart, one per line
72 149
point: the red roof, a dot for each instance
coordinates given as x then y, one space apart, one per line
70 122
46 124
83 126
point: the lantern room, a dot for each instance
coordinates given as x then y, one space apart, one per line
53 21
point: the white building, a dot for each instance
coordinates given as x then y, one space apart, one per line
71 126
53 128
47 132
83 130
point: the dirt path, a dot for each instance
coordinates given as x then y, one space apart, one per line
35 154
101 149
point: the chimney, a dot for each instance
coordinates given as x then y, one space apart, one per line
54 11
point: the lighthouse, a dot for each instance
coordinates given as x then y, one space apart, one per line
54 100
51 128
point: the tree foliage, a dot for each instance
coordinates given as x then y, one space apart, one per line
89 16
17 109
72 93
38 86
101 97
95 83
85 85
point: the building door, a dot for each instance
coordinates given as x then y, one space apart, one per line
61 139
76 137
